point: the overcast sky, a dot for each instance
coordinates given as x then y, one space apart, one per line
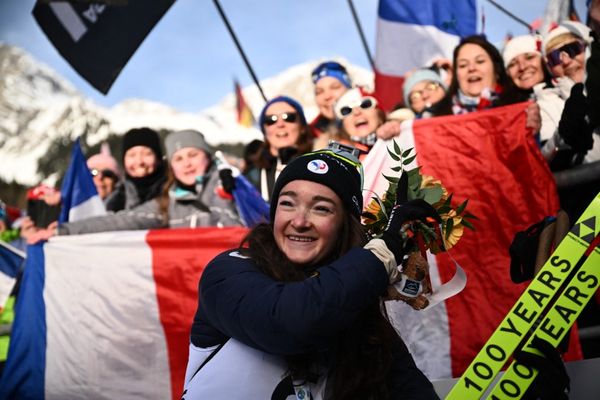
189 60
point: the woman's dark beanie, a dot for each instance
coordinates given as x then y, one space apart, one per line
142 137
327 169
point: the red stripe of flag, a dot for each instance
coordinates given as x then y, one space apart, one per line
178 259
492 159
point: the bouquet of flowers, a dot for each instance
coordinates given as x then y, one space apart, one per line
419 236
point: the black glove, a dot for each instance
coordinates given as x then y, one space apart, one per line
287 153
552 381
403 212
573 127
227 180
592 82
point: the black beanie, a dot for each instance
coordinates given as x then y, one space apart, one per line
142 137
328 169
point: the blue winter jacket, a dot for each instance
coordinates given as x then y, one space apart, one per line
236 300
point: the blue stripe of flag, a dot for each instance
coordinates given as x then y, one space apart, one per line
10 260
78 185
24 371
456 17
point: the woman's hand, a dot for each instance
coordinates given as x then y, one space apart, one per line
388 130
534 117
42 234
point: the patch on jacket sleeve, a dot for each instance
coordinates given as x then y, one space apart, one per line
237 254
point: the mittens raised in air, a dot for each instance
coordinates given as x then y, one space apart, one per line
227 180
573 126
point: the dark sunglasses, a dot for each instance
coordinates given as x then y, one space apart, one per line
105 173
571 49
365 104
272 119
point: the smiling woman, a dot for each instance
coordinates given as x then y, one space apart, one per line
145 172
529 72
287 135
297 311
479 80
360 115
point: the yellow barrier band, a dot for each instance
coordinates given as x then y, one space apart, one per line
517 324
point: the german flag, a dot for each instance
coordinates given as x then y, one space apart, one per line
244 113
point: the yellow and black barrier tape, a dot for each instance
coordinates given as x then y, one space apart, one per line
552 302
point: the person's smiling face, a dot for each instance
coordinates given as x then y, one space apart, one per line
188 163
361 121
307 221
474 70
526 70
327 91
281 133
571 67
139 161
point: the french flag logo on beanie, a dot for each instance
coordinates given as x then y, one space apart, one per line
318 166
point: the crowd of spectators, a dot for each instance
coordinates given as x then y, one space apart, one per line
182 186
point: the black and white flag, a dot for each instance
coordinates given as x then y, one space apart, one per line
98 39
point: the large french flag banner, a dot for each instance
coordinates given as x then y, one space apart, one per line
491 159
412 34
79 197
108 315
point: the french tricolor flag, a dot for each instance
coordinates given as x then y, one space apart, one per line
79 197
412 34
491 159
108 315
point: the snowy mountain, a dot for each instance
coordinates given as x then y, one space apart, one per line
40 111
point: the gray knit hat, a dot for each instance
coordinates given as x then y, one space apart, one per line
187 138
420 75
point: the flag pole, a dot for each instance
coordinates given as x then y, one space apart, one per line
361 33
513 16
239 47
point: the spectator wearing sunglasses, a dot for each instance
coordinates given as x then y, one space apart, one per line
572 54
287 135
527 69
360 116
145 170
105 171
566 48
422 89
331 80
